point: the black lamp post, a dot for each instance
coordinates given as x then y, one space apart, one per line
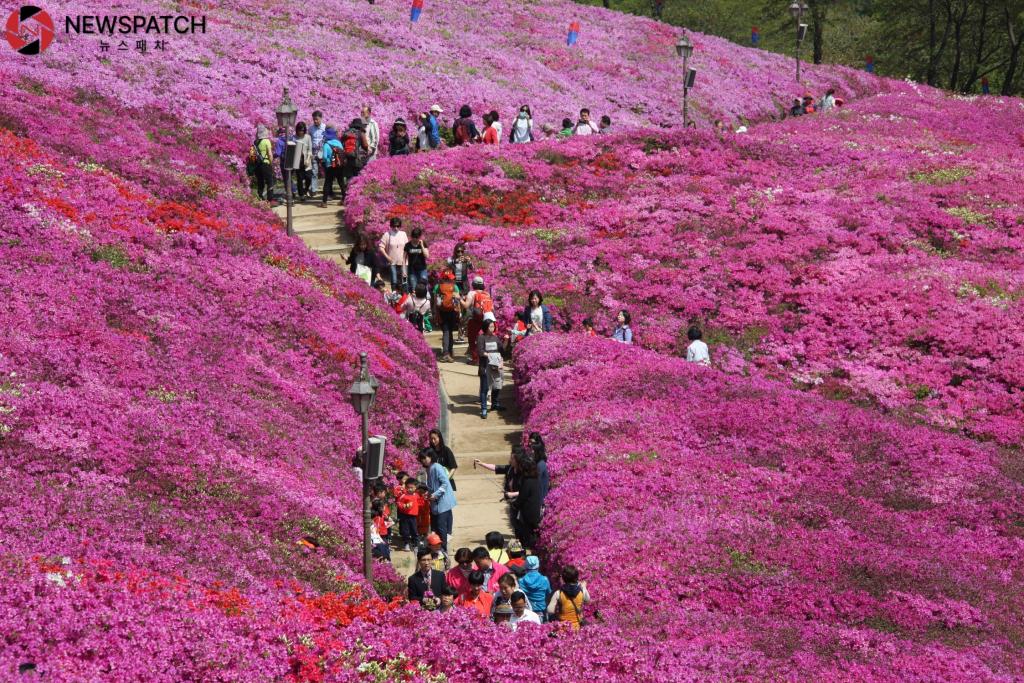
362 393
684 48
797 9
286 113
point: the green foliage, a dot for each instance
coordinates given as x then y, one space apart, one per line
117 258
513 170
941 176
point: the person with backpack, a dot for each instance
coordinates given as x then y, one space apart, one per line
449 305
522 129
567 602
372 133
477 303
334 160
316 134
356 148
584 126
416 255
417 307
464 130
398 139
392 249
302 165
538 317
488 350
434 126
261 156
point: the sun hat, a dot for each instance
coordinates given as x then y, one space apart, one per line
489 315
514 546
437 108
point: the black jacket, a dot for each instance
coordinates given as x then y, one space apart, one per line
529 501
398 146
418 585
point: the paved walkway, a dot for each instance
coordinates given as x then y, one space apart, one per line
480 508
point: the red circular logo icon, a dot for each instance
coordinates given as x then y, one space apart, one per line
29 30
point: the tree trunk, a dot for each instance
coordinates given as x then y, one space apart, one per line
819 12
1014 52
958 45
979 52
936 45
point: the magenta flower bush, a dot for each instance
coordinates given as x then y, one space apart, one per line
335 55
872 254
744 531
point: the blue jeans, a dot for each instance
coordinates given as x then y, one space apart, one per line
417 276
441 524
316 174
397 275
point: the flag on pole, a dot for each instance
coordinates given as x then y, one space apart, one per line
984 85
869 64
574 33
755 37
417 9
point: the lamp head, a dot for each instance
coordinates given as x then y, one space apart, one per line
364 389
795 9
286 112
684 48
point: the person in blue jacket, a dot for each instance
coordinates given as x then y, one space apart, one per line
442 497
538 317
434 126
536 586
332 146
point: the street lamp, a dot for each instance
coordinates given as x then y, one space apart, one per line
797 9
286 113
362 393
684 48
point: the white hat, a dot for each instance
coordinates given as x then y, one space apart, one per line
437 108
489 315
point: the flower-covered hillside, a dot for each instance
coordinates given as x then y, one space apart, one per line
338 54
174 409
743 531
872 254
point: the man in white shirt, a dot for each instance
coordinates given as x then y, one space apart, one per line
392 248
584 126
697 351
521 613
372 133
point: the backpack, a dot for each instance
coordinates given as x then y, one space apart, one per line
447 292
482 303
255 158
336 160
351 144
461 132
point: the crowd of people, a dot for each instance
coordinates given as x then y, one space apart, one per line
325 155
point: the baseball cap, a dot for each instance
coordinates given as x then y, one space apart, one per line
433 539
478 280
437 108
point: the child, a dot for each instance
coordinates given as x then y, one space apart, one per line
399 489
588 327
496 547
423 520
380 528
380 494
438 557
567 602
408 514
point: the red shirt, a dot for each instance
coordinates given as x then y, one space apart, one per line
381 523
409 504
490 136
482 603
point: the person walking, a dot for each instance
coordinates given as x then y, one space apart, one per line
477 304
522 129
449 306
302 165
567 602
408 505
521 612
398 139
416 255
316 134
357 149
491 570
280 150
334 160
416 307
538 317
623 333
476 597
527 503
434 126
540 456
464 130
697 351
392 250
441 496
425 579
461 267
372 131
262 157
584 126
488 348
362 260
458 576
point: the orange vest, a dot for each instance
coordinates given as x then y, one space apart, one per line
570 610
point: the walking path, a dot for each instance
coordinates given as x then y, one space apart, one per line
480 508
